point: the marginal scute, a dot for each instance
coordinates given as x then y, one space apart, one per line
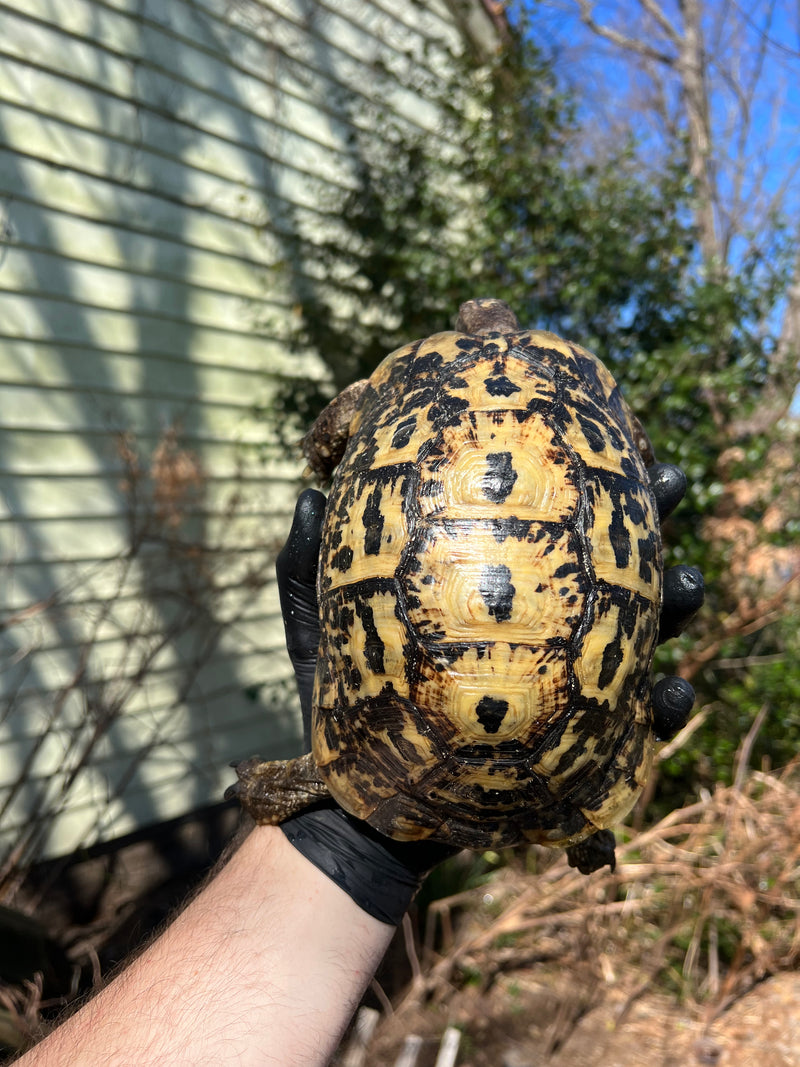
611 649
490 583
622 533
364 647
382 749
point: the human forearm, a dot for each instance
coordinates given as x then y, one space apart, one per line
265 966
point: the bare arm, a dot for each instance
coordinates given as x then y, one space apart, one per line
265 966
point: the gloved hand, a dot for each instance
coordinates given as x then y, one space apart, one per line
683 595
381 875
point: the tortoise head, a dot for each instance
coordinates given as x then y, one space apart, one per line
486 315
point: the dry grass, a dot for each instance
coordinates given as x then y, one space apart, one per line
702 907
705 904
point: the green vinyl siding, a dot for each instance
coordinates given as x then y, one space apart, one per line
157 164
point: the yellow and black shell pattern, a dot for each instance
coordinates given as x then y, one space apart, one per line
490 586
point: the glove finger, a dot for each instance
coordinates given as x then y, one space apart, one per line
684 593
296 569
668 483
672 701
299 556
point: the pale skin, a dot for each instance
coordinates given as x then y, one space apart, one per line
265 966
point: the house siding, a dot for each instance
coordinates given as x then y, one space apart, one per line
157 162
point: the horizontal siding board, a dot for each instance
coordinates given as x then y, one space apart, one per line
48 554
205 524
114 587
38 229
94 813
168 758
69 198
118 104
66 539
406 29
54 406
270 278
238 677
58 410
98 498
129 126
97 287
258 634
250 684
64 322
33 452
76 368
230 220
182 49
89 585
372 26
211 170
306 49
324 41
149 212
45 499
264 685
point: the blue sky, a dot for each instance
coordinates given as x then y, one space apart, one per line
754 79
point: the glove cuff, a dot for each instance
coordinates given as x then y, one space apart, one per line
380 875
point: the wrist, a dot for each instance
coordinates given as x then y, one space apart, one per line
381 876
281 953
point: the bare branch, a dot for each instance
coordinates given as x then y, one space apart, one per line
778 45
692 70
630 44
658 15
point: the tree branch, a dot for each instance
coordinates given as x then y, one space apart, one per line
657 14
630 44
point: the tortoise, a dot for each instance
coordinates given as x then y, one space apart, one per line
490 583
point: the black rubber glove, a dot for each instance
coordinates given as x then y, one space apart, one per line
684 591
381 875
296 569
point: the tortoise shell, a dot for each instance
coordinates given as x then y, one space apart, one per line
490 585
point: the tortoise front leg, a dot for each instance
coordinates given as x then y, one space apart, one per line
273 791
324 444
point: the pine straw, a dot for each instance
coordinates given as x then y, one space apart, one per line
706 903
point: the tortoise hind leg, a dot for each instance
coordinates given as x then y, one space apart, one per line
273 791
593 852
